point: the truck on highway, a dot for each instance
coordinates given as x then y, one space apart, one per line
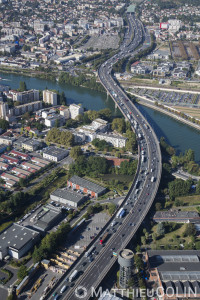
73 275
152 179
104 238
117 216
122 213
63 289
143 158
90 251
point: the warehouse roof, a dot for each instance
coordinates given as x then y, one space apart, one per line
68 195
91 186
16 236
54 151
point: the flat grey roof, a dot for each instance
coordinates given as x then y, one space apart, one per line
16 236
54 151
68 195
91 186
176 214
31 142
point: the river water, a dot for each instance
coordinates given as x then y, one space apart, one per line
177 134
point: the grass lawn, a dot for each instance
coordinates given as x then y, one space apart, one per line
173 238
189 200
4 225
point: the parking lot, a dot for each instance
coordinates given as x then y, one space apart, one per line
83 236
173 98
102 42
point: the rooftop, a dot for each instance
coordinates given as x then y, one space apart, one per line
87 184
16 236
54 151
68 195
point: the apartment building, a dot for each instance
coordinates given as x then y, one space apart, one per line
75 110
26 96
50 97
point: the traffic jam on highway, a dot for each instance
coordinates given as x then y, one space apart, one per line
95 263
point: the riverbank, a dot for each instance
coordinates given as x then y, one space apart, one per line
56 76
144 101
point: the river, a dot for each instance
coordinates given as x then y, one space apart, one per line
177 134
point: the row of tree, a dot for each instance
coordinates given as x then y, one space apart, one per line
65 138
51 242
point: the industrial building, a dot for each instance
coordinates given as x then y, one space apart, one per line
54 153
45 219
68 197
125 260
17 240
86 186
176 216
49 97
176 272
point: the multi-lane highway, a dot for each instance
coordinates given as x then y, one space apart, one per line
92 269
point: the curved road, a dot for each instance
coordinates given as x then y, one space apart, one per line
145 186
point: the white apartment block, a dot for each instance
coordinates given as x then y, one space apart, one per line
115 140
3 110
75 110
26 96
50 97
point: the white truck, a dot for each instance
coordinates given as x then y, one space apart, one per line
152 179
63 289
73 275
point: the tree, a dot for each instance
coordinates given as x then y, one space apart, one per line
111 208
158 206
76 152
198 187
22 86
119 125
190 230
90 210
160 229
138 262
4 124
22 272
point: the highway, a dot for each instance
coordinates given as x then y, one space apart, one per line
92 269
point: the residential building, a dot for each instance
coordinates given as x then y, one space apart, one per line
54 153
68 197
6 140
51 121
17 240
28 107
10 159
65 113
86 186
50 97
3 110
31 145
75 110
26 96
115 140
19 154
